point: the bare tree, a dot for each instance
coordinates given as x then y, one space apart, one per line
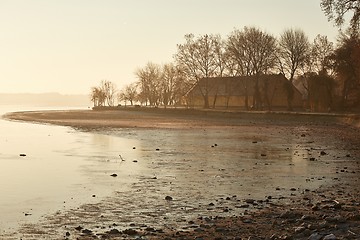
97 96
347 67
199 57
320 52
336 11
293 52
172 84
129 93
109 88
251 52
149 83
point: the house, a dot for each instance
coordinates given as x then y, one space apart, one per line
249 92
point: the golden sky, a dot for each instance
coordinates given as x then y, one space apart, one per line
68 46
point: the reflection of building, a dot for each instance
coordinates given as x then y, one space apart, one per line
262 92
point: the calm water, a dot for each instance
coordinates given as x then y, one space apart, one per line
62 168
65 168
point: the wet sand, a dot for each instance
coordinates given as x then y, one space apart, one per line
298 178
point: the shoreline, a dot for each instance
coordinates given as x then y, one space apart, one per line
174 118
302 214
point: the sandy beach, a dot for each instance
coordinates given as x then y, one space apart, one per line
270 176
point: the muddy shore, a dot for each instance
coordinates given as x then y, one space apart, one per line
331 210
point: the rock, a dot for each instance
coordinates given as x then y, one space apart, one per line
79 228
22 155
86 231
168 198
330 237
130 232
135 161
150 229
134 147
250 201
114 231
243 206
113 175
300 229
157 149
263 155
315 236
323 153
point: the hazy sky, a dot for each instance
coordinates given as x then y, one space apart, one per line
68 46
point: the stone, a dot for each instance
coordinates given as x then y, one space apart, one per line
113 175
79 228
86 231
168 198
114 231
130 232
22 155
315 236
330 237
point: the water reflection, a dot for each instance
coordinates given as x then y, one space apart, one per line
63 168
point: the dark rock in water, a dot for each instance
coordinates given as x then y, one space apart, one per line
114 175
263 155
114 231
130 232
134 147
86 231
323 153
27 214
150 229
135 161
22 155
79 228
157 149
168 198
67 234
250 201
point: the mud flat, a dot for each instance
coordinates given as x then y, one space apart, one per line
218 175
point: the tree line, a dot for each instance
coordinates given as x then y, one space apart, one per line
250 51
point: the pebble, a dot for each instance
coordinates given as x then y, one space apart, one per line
130 232
330 237
168 198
